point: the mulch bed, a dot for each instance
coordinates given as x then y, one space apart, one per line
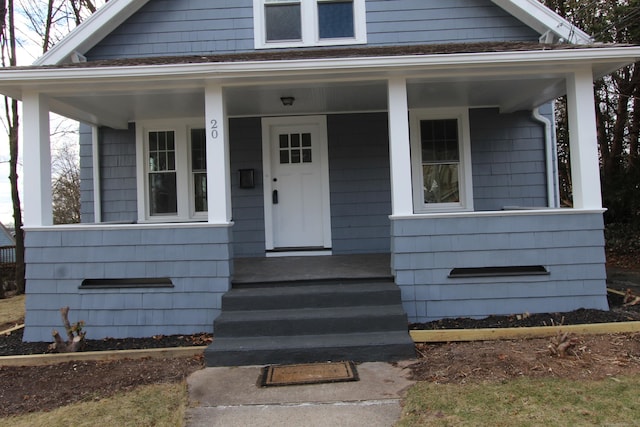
12 344
618 313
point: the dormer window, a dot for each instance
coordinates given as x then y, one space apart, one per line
291 23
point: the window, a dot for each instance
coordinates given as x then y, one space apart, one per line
441 160
163 193
172 181
290 23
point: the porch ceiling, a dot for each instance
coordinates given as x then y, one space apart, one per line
116 109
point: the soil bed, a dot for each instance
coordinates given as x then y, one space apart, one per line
617 313
12 345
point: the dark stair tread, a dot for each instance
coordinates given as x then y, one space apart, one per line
310 341
364 347
268 289
311 296
311 313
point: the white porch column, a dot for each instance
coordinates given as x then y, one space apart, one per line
583 141
36 161
218 167
399 148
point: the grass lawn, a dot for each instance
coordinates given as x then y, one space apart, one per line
525 402
155 405
12 309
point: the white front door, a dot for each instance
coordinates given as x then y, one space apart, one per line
296 183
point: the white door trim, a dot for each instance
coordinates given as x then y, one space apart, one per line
321 122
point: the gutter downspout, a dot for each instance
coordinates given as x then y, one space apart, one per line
95 157
551 153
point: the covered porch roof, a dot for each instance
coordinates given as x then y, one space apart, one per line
511 76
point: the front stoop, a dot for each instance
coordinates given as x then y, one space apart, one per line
358 320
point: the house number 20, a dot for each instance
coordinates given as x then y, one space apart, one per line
214 129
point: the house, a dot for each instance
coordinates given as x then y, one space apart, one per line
214 131
7 246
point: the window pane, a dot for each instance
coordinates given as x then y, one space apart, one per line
163 197
295 156
439 139
284 156
283 22
200 191
306 155
284 141
335 19
295 140
198 150
441 183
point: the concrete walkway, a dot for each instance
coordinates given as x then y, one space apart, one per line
231 397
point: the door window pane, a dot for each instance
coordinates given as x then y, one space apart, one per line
283 22
335 19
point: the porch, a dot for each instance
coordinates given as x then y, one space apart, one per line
249 271
371 203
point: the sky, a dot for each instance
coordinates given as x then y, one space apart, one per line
28 52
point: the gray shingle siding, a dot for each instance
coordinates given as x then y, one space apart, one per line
245 136
508 155
86 175
570 246
434 21
359 182
205 27
118 174
196 258
169 27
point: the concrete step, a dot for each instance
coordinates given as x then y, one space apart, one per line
361 347
307 321
312 295
310 321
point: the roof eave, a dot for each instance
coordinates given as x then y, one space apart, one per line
610 59
542 19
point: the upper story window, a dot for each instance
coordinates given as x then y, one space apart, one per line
172 181
441 160
291 23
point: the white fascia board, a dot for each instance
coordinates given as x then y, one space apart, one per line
542 19
48 79
91 31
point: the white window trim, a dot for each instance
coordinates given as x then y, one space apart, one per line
465 178
184 184
310 30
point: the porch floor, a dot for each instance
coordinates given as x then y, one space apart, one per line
288 269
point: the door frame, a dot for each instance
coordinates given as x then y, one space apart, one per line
321 122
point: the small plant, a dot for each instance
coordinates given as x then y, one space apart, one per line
75 335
